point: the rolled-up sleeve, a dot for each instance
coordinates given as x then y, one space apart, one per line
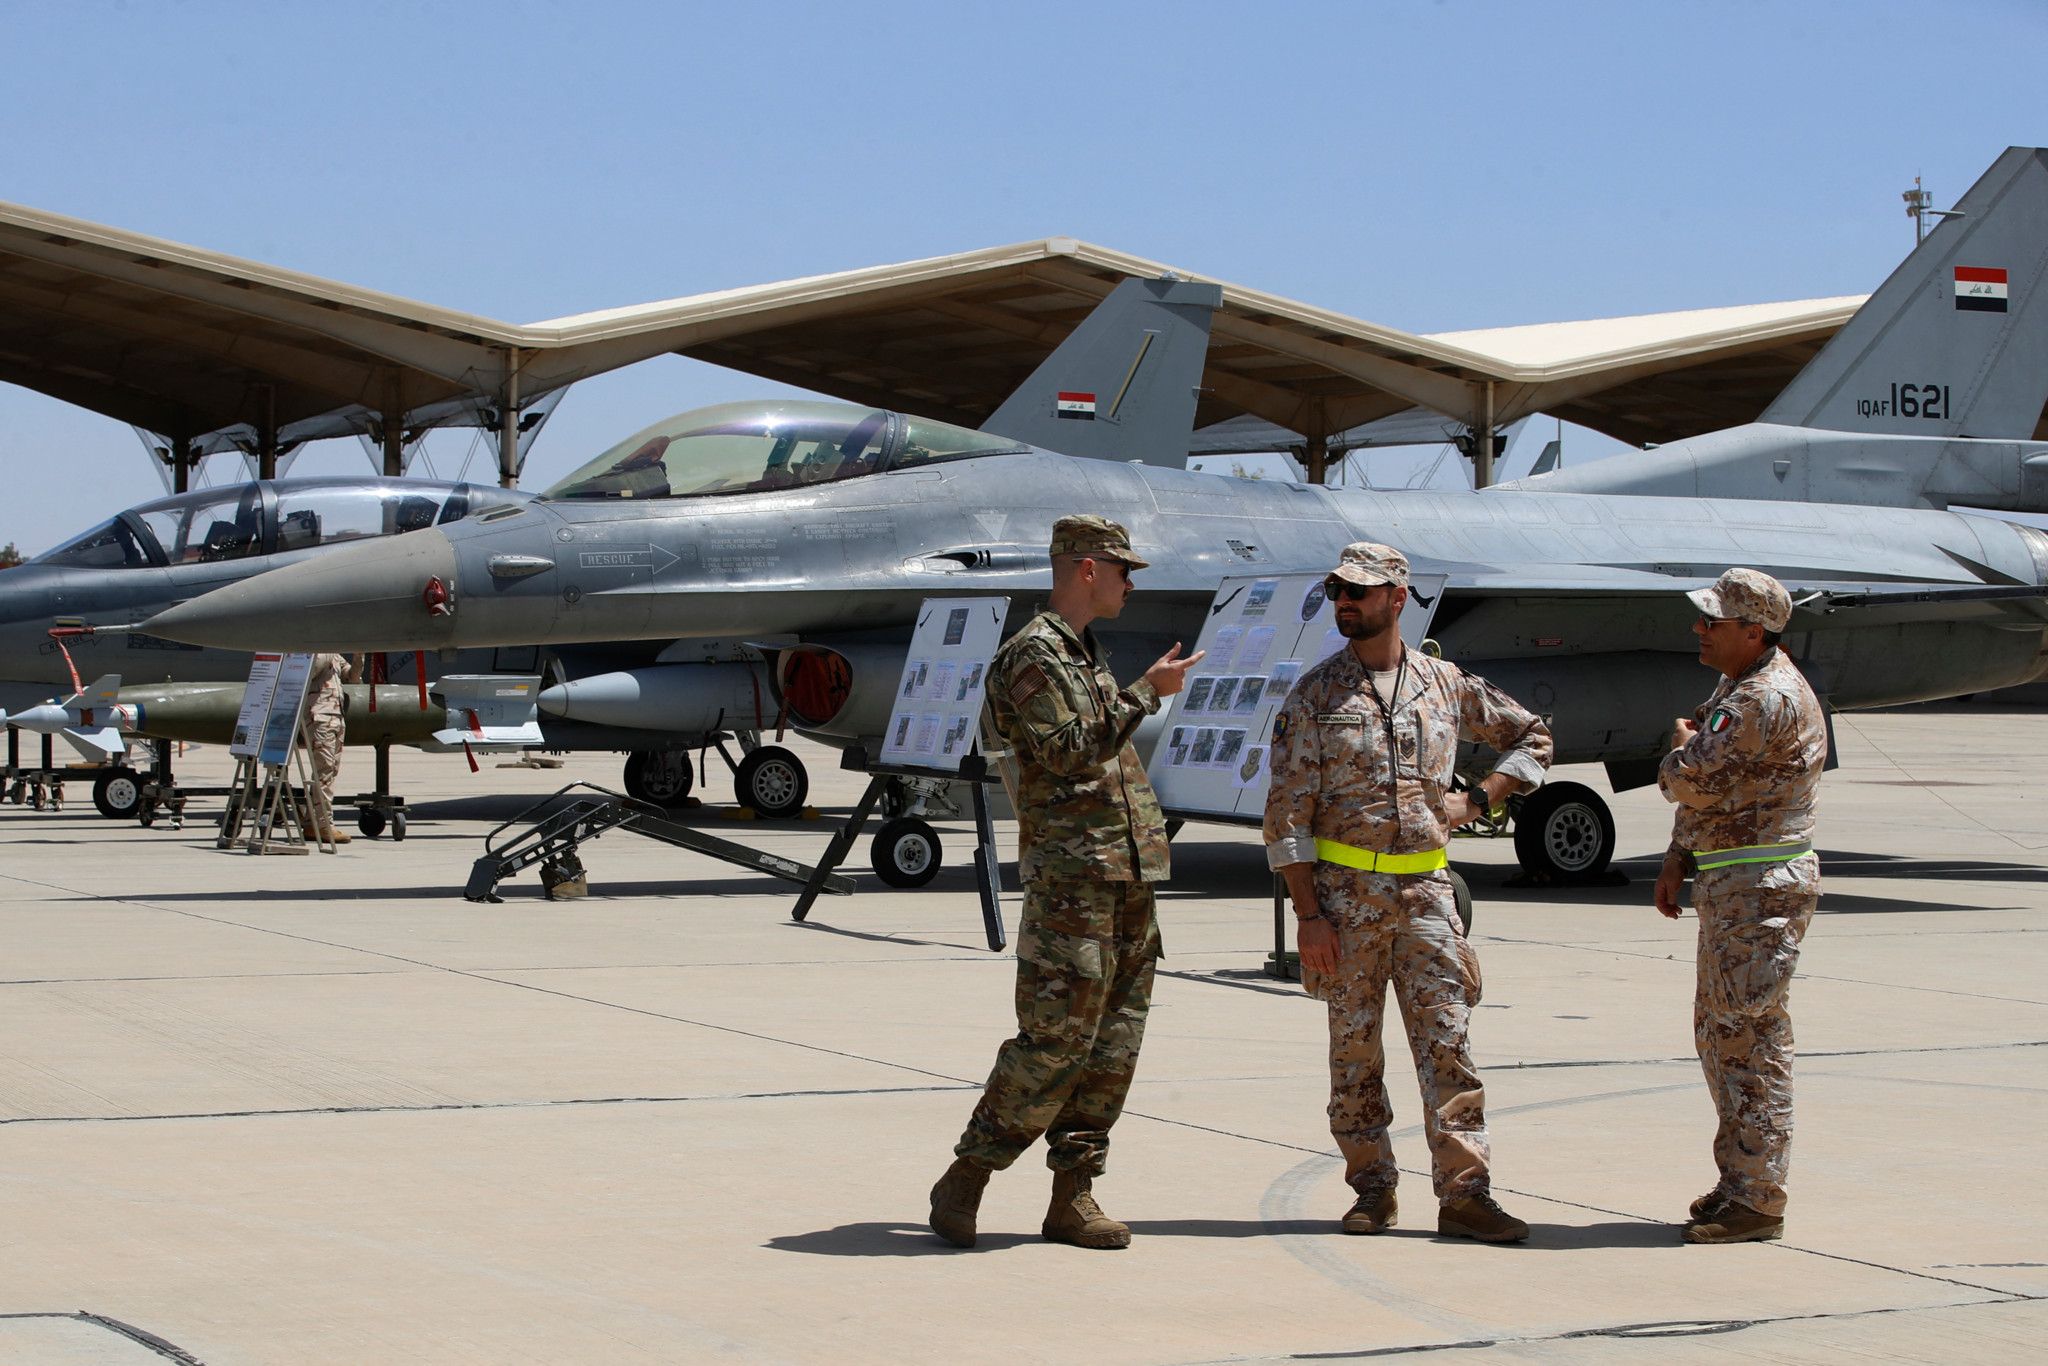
1698 773
1492 717
1297 778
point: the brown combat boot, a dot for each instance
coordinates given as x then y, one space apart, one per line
333 836
1372 1212
1481 1217
1706 1207
1735 1222
957 1199
1074 1217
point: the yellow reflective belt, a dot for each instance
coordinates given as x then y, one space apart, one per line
1372 861
1703 859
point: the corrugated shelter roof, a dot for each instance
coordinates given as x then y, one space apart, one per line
184 342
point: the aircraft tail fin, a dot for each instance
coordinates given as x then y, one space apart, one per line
1955 342
1123 385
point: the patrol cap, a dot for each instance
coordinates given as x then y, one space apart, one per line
1368 563
1096 537
1746 595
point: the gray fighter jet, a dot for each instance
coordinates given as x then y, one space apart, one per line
1142 348
814 530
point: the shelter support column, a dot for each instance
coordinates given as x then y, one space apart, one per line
394 444
1482 458
181 464
508 423
266 436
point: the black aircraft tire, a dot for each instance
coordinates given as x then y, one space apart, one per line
659 777
1565 831
905 852
773 781
118 793
1461 897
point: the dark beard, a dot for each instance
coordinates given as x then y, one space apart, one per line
1364 626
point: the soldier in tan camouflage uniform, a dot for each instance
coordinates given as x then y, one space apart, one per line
1091 842
1743 771
323 738
1357 818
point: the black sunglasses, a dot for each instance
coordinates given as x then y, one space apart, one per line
1344 588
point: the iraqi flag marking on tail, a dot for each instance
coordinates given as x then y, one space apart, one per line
1980 289
1083 405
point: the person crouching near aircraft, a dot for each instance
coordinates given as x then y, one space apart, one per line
1357 818
1743 772
1091 843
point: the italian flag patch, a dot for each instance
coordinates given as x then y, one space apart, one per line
1720 720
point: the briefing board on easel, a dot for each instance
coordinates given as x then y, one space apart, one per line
935 720
1261 634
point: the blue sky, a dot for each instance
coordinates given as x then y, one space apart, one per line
1427 166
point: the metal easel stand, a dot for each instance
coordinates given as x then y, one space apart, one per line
987 871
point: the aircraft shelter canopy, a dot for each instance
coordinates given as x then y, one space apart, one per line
207 348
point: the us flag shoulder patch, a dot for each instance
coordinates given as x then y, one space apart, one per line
1029 682
1720 720
1076 405
1981 289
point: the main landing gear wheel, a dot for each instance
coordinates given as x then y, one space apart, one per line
1565 831
905 852
118 793
772 781
661 777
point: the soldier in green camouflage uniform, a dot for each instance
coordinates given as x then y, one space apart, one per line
1091 842
1743 772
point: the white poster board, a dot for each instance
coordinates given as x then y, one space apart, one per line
1262 633
936 719
281 720
256 695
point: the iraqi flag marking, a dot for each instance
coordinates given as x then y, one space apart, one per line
1076 405
1981 289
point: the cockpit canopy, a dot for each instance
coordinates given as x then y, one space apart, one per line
752 447
237 521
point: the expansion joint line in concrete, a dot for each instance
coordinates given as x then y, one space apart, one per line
168 1350
1681 1328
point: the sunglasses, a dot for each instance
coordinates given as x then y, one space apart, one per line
1334 589
1709 623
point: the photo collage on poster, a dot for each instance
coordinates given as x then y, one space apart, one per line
1261 635
938 700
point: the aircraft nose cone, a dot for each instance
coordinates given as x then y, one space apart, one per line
379 595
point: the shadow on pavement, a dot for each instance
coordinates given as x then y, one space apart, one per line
915 1240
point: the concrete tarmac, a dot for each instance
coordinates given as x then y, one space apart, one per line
320 1109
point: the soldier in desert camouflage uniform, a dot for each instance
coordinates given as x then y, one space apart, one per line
324 732
1091 842
1357 818
1743 772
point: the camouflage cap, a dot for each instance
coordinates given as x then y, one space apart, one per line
1368 563
1098 538
1746 595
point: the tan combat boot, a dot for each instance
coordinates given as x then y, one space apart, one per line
337 836
1735 1222
1074 1217
957 1199
1373 1212
1481 1217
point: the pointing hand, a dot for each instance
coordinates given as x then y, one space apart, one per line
1167 676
